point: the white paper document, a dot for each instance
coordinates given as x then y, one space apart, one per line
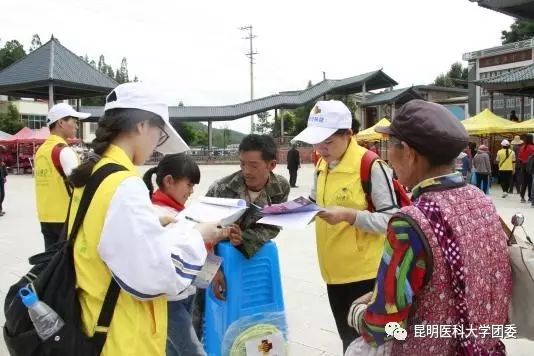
290 221
221 210
296 213
236 203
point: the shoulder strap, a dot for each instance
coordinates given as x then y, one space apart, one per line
90 189
112 294
505 159
56 152
366 165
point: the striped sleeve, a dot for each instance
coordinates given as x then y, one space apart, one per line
146 259
400 277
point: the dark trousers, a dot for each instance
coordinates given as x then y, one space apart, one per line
52 232
483 181
505 178
516 182
526 183
293 177
341 297
2 192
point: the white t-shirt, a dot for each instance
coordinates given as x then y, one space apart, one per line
69 160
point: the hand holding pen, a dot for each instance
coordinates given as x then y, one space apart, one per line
231 232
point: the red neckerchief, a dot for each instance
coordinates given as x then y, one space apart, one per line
162 199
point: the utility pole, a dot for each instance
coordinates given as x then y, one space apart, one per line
250 55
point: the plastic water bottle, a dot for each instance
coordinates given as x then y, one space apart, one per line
45 319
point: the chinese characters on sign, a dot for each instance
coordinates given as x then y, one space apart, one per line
454 331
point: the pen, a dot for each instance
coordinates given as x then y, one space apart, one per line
198 222
193 220
256 206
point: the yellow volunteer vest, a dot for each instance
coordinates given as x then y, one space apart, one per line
506 163
50 192
138 327
346 254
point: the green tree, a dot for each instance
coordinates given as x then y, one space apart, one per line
201 138
264 125
117 77
520 30
11 52
456 77
186 132
109 71
10 122
289 124
301 118
36 42
443 80
124 71
226 136
102 64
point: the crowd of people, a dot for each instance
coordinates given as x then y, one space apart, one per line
381 262
512 166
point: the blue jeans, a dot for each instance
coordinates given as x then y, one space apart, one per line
182 339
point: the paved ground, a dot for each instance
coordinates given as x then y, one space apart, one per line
312 328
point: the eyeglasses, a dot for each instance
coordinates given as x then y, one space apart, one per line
163 136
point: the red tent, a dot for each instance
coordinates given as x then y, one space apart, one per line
22 134
27 135
28 138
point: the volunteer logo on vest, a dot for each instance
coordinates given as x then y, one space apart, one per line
343 195
43 172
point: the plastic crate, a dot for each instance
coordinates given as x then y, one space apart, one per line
252 286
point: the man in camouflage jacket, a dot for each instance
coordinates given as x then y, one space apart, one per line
254 235
259 186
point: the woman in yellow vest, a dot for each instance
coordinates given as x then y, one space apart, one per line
506 161
122 237
350 238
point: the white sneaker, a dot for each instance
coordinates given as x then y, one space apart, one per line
505 195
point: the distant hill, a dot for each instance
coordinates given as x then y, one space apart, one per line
232 136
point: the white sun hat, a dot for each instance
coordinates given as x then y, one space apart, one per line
61 111
139 96
325 119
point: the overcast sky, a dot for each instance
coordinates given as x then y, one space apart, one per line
194 52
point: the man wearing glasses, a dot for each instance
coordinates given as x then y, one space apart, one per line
54 162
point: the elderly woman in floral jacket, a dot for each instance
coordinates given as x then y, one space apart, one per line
444 276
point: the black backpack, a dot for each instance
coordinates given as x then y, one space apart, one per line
53 278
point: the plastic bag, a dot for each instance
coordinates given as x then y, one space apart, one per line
255 327
360 347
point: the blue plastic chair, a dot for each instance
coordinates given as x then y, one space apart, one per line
252 286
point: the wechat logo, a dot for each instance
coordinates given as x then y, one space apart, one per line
395 330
